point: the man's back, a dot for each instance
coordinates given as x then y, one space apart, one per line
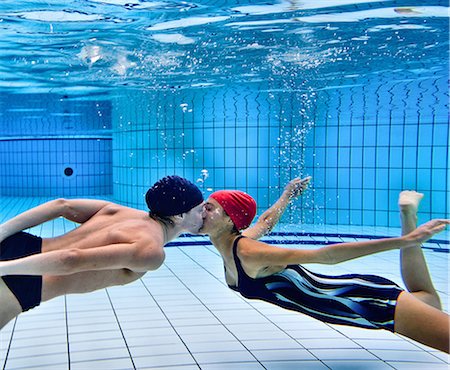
112 226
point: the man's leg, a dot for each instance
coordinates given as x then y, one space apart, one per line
414 268
9 306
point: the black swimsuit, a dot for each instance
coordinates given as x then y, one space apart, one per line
365 301
26 288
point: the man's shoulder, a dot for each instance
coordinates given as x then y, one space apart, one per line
111 208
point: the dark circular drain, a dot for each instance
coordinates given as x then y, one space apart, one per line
68 171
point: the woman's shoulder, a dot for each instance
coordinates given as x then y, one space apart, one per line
249 250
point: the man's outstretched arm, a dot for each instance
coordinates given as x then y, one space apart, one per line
139 256
77 210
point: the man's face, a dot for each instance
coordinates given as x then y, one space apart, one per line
214 217
193 220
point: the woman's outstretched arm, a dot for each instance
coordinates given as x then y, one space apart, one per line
261 254
267 221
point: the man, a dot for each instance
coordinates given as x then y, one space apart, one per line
276 275
114 245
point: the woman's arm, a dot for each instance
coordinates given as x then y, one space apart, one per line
267 221
261 254
77 210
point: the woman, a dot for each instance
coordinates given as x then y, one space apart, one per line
276 275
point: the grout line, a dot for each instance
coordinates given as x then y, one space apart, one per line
212 313
10 343
67 331
120 328
330 327
168 320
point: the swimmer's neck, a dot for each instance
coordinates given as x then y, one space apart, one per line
223 241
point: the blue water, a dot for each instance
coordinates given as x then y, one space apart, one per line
100 98
119 93
97 46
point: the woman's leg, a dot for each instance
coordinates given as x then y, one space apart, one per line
414 268
419 321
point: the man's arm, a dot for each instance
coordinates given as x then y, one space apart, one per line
262 254
133 256
77 210
267 221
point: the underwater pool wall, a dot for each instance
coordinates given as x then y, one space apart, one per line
368 141
53 146
362 141
234 134
374 138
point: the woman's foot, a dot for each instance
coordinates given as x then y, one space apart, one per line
408 201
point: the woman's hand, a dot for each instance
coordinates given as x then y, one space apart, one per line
426 231
296 187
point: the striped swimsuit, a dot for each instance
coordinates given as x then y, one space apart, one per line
365 301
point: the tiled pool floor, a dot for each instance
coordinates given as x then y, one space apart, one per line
183 316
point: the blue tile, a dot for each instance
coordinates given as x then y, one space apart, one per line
369 157
263 136
319 159
424 157
356 156
331 177
440 153
344 157
332 137
423 179
369 135
355 217
320 135
357 136
343 178
440 134
395 157
332 157
411 136
425 134
368 199
383 135
382 156
368 178
382 178
344 136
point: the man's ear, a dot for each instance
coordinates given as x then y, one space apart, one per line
179 217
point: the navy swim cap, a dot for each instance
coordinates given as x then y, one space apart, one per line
173 195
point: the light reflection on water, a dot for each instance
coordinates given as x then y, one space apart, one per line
97 46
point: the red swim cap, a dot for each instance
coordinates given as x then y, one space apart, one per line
240 206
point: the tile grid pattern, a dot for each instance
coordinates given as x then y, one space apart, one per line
54 146
183 316
362 143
